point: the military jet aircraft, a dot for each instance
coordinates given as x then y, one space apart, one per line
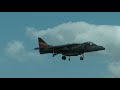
74 49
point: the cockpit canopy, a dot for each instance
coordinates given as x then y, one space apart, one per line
91 43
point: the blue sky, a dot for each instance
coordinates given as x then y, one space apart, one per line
13 27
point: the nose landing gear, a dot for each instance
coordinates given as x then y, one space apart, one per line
82 57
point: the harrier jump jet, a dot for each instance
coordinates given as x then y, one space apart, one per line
74 49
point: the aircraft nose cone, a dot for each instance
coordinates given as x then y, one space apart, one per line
101 48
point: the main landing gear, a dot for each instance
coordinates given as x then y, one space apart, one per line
69 58
64 58
81 57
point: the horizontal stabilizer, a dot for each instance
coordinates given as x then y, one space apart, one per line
37 48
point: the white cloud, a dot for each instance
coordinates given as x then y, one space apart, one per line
106 35
114 68
16 50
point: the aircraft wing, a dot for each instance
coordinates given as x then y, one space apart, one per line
62 46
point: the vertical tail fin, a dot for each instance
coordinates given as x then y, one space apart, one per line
42 43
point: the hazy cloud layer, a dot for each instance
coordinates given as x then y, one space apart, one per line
16 50
106 35
114 68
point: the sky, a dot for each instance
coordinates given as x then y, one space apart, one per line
19 32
